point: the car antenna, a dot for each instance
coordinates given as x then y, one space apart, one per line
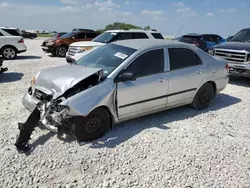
179 31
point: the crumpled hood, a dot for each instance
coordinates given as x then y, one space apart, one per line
86 44
233 46
58 80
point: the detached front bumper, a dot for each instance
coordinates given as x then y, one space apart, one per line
239 69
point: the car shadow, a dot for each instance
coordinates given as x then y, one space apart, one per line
239 81
128 129
160 120
42 140
27 57
10 77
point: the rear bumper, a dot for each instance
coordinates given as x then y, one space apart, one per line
21 51
221 83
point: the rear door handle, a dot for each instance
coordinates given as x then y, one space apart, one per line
199 71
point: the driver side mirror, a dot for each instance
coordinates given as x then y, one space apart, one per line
126 76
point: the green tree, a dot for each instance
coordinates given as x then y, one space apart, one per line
121 25
147 28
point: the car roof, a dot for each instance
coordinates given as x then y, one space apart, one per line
132 30
144 43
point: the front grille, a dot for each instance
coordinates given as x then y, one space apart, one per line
73 50
41 95
231 56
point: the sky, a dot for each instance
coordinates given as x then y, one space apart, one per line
223 17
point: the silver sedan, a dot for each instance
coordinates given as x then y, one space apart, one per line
124 80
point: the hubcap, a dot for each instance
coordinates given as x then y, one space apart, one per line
9 53
62 51
204 97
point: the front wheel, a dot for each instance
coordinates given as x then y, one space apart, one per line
203 97
61 51
93 126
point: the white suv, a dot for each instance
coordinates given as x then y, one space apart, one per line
79 49
11 42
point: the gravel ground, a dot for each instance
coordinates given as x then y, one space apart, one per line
178 148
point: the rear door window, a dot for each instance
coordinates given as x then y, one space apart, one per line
12 32
190 39
91 35
139 35
182 58
123 36
157 36
80 36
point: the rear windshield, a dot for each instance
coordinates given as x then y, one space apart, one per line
12 32
190 38
157 36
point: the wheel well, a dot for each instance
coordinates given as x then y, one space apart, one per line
214 86
8 46
112 121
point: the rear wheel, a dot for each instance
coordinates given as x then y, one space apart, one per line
61 51
93 126
9 52
203 97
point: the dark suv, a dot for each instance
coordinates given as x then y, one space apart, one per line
59 47
237 52
203 41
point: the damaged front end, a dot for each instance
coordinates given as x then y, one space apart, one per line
50 111
54 117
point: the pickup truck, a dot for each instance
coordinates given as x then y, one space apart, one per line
237 52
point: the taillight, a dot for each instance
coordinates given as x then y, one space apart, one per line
58 35
227 67
196 44
21 41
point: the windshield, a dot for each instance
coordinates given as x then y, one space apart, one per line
105 37
242 36
107 57
68 35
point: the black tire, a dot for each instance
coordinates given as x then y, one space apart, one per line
92 127
203 97
61 51
8 52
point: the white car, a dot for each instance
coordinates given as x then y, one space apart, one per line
79 49
11 42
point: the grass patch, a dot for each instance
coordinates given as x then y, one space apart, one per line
44 35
